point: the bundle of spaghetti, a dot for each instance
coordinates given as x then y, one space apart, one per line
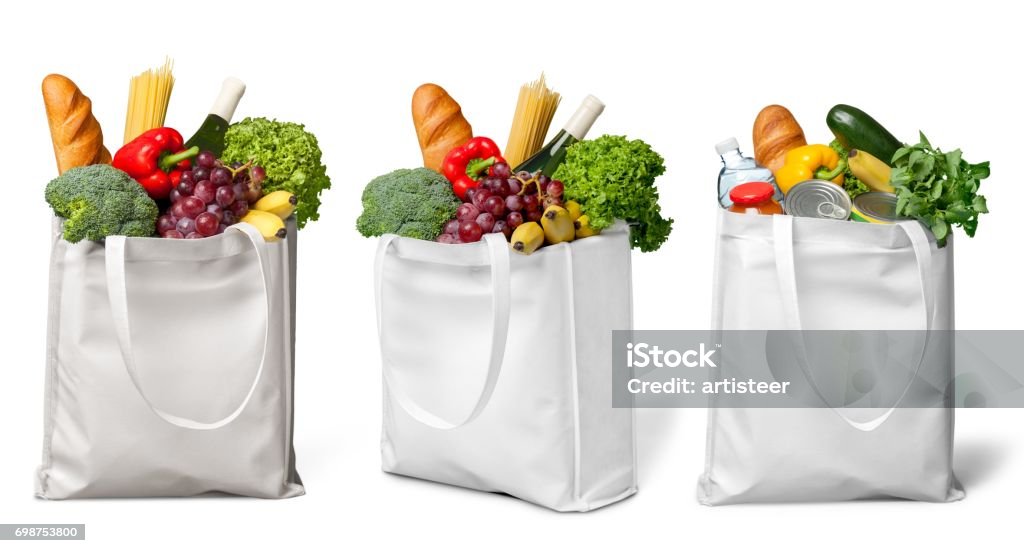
148 96
534 111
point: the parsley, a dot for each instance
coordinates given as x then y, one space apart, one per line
939 189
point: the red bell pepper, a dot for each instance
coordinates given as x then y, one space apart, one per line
466 165
156 159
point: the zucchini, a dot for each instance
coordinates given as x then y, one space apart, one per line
855 129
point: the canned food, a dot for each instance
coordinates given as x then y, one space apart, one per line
820 199
875 207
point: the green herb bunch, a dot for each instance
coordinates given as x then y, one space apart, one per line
939 189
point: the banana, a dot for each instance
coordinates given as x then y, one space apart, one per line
583 228
574 209
558 225
870 170
270 226
280 203
527 238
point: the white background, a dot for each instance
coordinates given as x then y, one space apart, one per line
681 77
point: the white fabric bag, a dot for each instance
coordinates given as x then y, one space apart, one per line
784 273
169 367
497 367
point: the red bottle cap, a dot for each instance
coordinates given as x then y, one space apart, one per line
751 193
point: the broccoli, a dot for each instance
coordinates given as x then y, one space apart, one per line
409 202
97 201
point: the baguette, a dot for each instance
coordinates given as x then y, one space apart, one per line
440 125
77 136
775 133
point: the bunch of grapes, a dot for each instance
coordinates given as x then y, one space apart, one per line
501 203
210 197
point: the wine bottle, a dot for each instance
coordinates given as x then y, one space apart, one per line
553 153
210 135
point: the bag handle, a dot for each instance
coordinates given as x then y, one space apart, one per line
782 231
117 291
500 309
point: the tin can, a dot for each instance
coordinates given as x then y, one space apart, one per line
875 207
820 199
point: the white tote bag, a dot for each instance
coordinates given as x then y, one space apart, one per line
497 367
170 367
784 273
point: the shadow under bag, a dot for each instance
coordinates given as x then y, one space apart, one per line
497 367
169 367
802 274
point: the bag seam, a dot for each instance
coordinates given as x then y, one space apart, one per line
55 298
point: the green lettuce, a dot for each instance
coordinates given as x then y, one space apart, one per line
289 153
613 178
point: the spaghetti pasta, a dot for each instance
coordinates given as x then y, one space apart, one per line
148 96
534 111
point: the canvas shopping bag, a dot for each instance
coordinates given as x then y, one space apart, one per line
170 367
785 273
497 367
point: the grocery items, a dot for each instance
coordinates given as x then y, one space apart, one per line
583 227
197 194
534 112
270 226
754 197
574 208
148 96
416 203
99 200
939 189
872 171
290 156
875 207
853 185
440 125
210 135
737 169
465 165
819 199
558 225
213 196
855 129
77 137
527 237
155 159
776 132
280 202
813 161
614 178
547 159
502 203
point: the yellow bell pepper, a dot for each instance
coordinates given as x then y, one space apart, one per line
813 161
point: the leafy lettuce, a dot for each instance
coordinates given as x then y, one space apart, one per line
613 178
289 153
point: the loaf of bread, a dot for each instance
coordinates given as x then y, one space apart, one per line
775 133
77 137
440 125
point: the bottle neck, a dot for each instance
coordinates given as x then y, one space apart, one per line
230 94
732 157
581 121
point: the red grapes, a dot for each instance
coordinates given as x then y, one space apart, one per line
210 197
501 203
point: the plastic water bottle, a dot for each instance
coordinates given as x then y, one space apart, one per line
737 169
